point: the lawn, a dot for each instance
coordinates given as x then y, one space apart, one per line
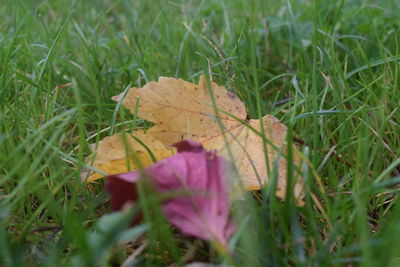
329 70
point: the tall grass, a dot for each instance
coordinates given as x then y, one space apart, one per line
328 70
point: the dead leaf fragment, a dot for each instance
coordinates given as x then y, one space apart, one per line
115 153
182 110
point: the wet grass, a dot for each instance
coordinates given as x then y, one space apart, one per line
328 70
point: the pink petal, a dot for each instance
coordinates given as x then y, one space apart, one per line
202 208
122 189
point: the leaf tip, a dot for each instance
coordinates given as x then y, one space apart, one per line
117 98
188 145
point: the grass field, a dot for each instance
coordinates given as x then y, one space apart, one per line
328 69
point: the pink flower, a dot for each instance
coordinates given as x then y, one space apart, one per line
202 210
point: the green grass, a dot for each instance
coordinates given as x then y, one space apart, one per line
336 62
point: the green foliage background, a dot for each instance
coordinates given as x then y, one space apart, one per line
327 69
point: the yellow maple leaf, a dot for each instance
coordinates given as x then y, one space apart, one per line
182 110
121 153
